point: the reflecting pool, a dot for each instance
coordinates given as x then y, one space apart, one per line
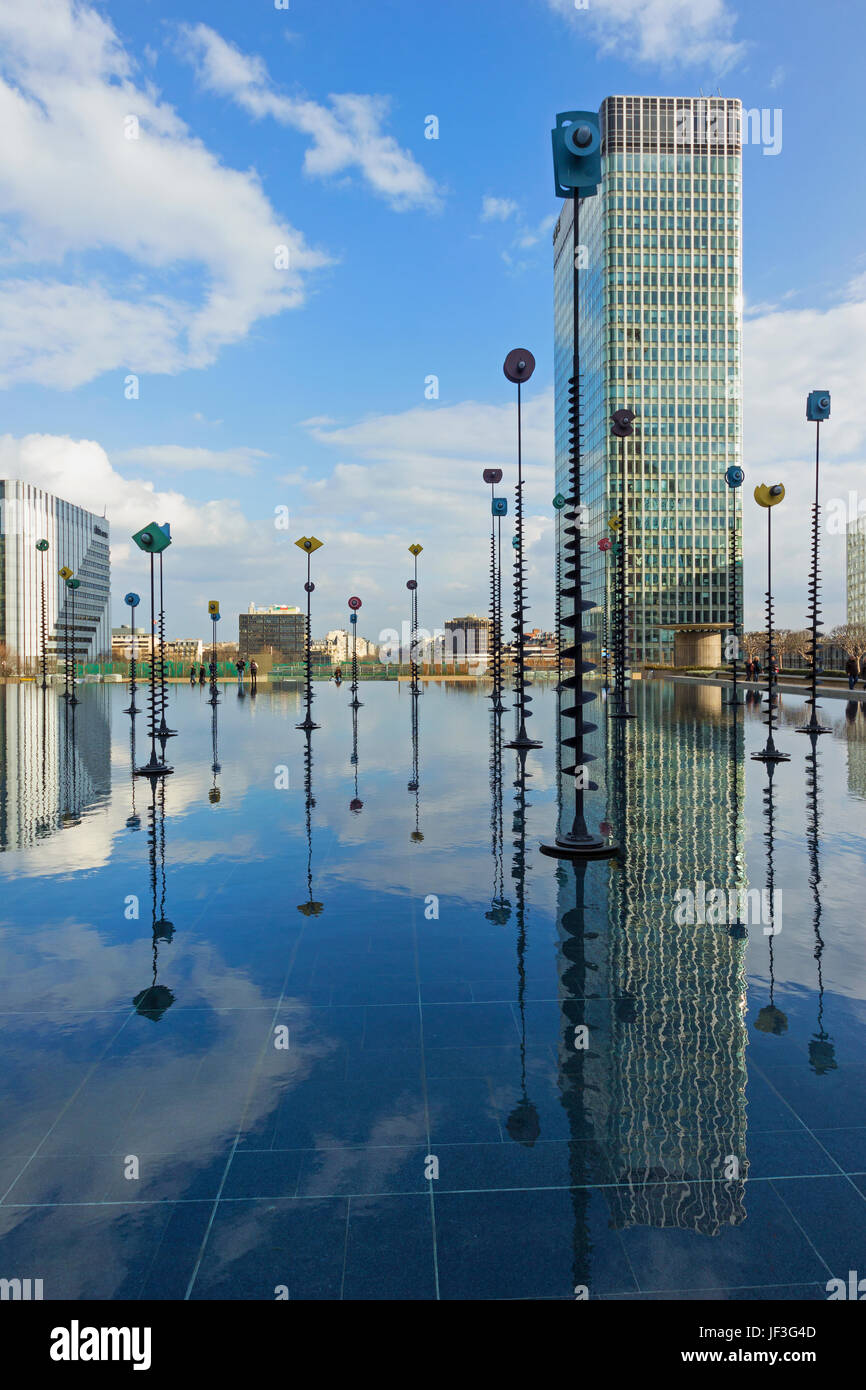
313 1017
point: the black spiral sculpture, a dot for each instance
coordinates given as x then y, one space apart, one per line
163 732
518 367
817 411
733 614
622 428
769 497
578 840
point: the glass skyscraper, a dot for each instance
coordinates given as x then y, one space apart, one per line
77 540
660 318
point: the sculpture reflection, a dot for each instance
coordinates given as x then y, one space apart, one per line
153 1001
522 1124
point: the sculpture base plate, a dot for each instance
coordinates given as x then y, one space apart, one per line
593 847
813 729
524 743
766 757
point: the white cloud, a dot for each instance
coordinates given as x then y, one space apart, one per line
787 354
663 32
346 135
497 209
181 458
73 186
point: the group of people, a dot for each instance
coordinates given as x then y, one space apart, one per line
854 669
209 672
754 668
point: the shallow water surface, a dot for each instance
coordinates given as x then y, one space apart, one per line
315 1017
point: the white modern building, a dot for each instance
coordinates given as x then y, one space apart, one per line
338 644
855 570
660 284
77 540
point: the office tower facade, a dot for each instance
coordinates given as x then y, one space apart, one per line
278 630
660 321
77 540
855 570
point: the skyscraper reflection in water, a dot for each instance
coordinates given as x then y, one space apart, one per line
658 1089
55 763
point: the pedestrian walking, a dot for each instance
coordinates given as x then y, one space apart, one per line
852 669
240 666
202 676
254 672
756 667
192 674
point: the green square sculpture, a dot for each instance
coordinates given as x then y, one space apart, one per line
152 539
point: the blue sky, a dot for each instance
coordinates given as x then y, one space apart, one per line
408 257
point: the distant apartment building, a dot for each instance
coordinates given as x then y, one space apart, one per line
468 636
660 313
278 630
337 645
77 540
126 640
855 570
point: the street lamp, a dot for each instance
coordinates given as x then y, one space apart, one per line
308 544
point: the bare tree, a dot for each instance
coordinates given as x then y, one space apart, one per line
851 637
799 643
8 660
754 644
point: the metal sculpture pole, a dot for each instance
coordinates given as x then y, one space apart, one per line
153 539
412 586
621 428
498 509
42 546
308 544
769 497
817 409
163 732
65 573
214 670
577 166
72 700
558 503
518 367
132 601
604 545
354 604
734 478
